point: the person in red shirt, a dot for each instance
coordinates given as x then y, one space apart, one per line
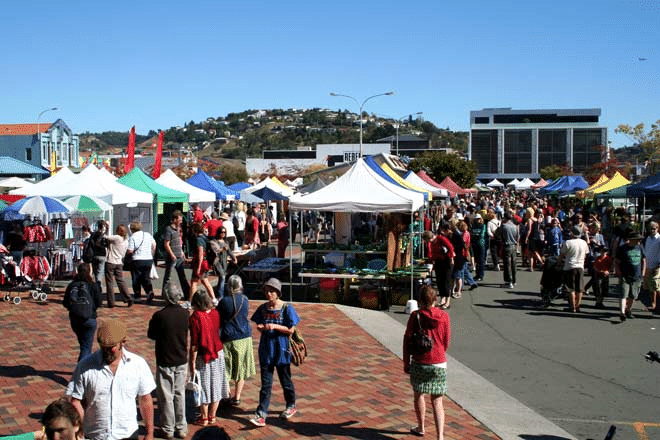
213 225
441 253
428 371
601 285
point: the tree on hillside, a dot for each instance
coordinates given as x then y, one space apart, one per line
609 167
649 142
439 165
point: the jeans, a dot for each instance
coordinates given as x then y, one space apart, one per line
171 391
284 374
140 275
510 264
98 269
115 272
479 259
467 275
494 250
84 331
219 289
181 273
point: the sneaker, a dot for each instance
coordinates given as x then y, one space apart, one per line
622 317
629 314
150 298
474 286
287 413
258 421
508 286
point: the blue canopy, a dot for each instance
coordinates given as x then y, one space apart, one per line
208 183
566 185
266 193
239 186
639 189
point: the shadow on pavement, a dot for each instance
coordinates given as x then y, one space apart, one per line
18 371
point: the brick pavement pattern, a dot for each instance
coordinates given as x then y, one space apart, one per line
350 386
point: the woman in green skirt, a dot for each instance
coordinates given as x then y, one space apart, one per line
428 371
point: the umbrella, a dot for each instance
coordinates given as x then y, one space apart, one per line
35 206
87 204
3 205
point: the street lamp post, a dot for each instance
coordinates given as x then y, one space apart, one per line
361 105
39 127
397 128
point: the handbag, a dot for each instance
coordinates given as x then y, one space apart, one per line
194 390
154 273
297 346
420 343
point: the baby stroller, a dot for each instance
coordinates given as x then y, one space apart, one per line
30 276
552 283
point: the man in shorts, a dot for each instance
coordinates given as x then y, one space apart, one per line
630 263
572 254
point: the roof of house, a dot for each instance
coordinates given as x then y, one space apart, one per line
14 167
23 129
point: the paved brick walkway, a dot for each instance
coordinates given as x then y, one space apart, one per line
351 386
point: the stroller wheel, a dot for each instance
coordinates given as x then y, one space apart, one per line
35 294
43 296
7 298
16 300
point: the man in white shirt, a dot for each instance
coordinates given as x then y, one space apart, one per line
652 253
142 247
105 385
239 230
573 253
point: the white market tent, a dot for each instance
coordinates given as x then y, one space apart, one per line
526 183
195 195
106 173
360 189
420 183
50 187
514 183
94 182
495 184
14 182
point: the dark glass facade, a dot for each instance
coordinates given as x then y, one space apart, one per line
552 147
587 147
518 151
484 150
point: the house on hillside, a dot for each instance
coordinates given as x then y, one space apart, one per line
35 144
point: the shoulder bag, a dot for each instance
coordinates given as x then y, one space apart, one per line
297 345
420 342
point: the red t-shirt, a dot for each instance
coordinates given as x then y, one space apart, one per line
436 251
213 225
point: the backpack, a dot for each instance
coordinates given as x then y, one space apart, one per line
81 304
88 251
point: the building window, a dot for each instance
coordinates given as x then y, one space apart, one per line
587 148
482 120
552 148
518 151
484 150
28 154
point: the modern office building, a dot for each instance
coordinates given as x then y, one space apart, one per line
35 144
509 144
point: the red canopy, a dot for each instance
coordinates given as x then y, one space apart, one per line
453 186
426 178
10 198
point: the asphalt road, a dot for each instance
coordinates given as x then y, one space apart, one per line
582 371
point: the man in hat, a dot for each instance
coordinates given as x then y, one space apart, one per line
630 263
105 385
169 328
573 253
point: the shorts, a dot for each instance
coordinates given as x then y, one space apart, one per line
573 278
630 289
652 280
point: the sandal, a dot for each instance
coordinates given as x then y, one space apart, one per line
235 402
201 421
416 431
212 420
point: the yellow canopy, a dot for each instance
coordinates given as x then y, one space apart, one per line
616 181
404 183
583 193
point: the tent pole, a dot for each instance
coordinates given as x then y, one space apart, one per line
412 257
290 258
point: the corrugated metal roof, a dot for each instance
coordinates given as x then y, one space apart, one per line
23 129
14 167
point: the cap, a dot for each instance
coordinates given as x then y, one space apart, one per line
275 284
477 216
111 332
224 216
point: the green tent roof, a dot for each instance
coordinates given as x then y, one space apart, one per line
615 193
138 180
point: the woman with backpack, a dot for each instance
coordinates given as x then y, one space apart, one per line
81 298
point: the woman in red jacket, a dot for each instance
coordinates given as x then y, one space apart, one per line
428 371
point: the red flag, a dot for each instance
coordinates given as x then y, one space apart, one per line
159 156
130 160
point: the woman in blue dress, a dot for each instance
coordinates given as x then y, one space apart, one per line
276 321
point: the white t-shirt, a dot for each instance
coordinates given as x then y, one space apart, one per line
574 251
141 249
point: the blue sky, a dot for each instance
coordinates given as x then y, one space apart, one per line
156 64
